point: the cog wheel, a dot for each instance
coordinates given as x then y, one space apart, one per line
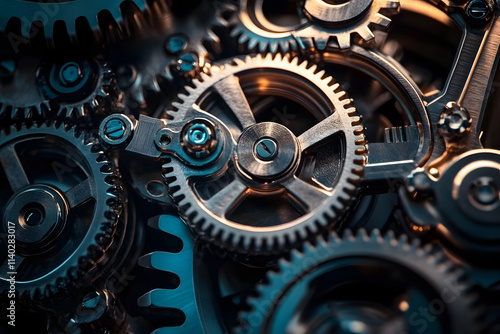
180 43
193 289
79 88
60 198
281 158
67 17
364 284
316 24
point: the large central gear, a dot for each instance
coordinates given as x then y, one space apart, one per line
317 24
285 163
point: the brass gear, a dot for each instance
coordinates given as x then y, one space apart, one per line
311 203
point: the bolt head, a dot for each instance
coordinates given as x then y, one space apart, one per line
188 62
115 129
266 149
199 138
91 300
176 43
454 121
478 10
70 73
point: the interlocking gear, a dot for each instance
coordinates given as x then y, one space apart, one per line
77 88
318 24
141 64
61 197
308 168
25 19
363 284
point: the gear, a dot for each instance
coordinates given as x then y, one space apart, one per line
317 24
193 289
73 89
267 157
140 71
67 17
364 284
60 198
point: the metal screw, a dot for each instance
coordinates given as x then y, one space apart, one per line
187 62
70 73
126 76
454 120
199 139
176 43
115 129
485 191
266 149
198 134
7 67
91 300
477 9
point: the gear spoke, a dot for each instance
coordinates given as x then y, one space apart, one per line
328 127
79 194
226 198
13 168
230 90
309 195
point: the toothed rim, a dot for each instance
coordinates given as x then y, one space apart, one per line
426 261
279 240
68 12
304 37
105 89
150 81
101 232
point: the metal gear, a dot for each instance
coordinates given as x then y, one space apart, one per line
311 182
363 284
193 294
61 200
32 18
318 24
73 89
140 71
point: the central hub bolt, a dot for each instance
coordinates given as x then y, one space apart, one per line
199 139
70 73
266 149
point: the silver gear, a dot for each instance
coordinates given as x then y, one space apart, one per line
321 25
324 204
287 293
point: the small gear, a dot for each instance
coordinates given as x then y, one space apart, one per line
60 198
364 284
73 89
23 20
192 295
180 43
318 24
292 142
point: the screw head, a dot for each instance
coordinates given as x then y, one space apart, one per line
91 300
478 10
187 62
199 139
70 73
7 67
176 43
485 191
126 76
454 121
115 129
266 149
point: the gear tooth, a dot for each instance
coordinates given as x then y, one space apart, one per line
321 42
273 47
344 41
252 43
361 235
381 20
365 33
347 236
